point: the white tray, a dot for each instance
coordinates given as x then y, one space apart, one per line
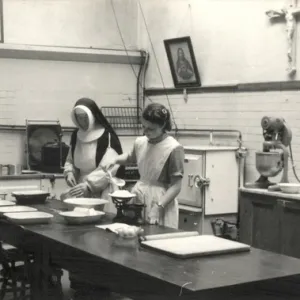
6 203
33 217
16 209
194 246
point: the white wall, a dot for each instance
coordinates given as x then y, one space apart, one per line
234 42
41 89
74 23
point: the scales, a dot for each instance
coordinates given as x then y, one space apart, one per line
129 213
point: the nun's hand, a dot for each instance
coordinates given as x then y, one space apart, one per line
79 190
71 181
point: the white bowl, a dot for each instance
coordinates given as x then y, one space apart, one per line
82 217
95 203
122 194
289 188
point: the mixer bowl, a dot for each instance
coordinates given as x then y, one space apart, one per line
269 164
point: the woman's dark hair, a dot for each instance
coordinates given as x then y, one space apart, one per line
158 114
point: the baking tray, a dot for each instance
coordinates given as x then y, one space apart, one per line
6 203
33 217
195 246
16 209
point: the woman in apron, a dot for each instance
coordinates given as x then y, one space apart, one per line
160 160
92 144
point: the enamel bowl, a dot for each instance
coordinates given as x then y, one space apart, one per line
82 215
95 203
289 188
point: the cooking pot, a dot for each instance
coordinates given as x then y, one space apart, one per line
54 155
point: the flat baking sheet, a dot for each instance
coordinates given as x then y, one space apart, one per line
193 246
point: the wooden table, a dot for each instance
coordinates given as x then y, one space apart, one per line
125 267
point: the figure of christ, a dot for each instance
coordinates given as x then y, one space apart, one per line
290 13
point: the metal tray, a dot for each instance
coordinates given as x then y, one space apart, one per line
16 209
33 217
6 203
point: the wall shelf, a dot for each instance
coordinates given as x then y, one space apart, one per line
90 55
241 87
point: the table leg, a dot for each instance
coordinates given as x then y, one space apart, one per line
39 281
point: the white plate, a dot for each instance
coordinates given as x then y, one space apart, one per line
33 217
86 202
81 217
6 203
15 209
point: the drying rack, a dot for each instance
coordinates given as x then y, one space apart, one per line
123 117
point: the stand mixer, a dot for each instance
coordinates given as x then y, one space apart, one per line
275 154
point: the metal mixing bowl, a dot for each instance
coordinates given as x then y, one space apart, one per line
269 164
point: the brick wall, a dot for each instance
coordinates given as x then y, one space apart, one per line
47 90
241 111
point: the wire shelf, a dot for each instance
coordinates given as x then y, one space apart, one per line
123 117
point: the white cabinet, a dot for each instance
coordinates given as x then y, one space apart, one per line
190 193
43 182
211 179
209 187
12 185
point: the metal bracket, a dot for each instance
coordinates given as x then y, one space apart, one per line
200 181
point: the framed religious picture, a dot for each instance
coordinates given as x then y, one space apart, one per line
182 62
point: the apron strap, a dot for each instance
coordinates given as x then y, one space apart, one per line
109 143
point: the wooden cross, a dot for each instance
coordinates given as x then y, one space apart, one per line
289 13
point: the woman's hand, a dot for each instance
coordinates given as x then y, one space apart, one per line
109 165
155 214
70 178
79 190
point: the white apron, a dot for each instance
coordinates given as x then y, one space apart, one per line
97 178
151 159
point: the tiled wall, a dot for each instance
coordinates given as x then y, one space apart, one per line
47 90
13 146
241 111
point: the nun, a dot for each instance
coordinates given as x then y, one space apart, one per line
93 143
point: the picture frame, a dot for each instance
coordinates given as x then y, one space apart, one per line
182 62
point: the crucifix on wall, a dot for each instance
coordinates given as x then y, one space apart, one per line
290 14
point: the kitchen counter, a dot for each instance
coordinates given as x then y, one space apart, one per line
270 220
32 176
125 267
270 193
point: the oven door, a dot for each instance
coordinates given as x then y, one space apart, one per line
190 194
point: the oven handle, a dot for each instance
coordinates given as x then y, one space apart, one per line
201 182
